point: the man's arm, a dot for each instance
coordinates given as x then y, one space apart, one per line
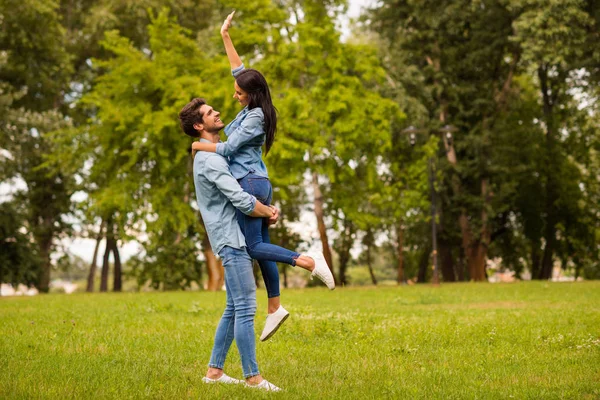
260 210
216 170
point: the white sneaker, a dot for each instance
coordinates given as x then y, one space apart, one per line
322 270
265 385
274 321
222 379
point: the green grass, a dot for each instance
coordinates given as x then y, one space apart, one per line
530 340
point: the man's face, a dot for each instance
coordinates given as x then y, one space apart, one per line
210 120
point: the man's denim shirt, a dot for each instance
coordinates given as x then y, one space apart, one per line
218 195
245 137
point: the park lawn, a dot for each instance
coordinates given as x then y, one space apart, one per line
527 340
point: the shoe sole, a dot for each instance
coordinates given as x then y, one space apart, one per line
276 329
325 283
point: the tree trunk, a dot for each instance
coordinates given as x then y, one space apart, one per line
255 271
117 279
369 241
423 265
43 234
214 267
92 274
284 267
460 268
480 247
285 277
44 284
399 253
370 266
110 236
346 241
447 262
535 259
318 203
548 97
475 263
105 266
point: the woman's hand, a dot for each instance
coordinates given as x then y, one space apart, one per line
227 24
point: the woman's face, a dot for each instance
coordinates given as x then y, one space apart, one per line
240 95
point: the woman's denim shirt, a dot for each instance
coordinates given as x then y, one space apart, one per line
245 137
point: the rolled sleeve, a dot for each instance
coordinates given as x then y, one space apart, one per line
217 171
236 71
250 128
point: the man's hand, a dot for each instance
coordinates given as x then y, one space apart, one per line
273 219
227 24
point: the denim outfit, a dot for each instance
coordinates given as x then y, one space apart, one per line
238 319
256 231
245 137
218 195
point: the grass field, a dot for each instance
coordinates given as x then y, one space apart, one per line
528 340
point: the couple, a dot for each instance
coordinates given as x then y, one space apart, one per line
230 176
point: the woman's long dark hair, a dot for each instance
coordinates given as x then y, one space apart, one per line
254 83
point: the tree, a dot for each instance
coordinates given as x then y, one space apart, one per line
34 71
19 261
555 37
460 63
141 159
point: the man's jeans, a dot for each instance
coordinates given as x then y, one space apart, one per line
256 232
238 319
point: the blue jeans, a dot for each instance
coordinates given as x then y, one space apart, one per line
238 318
256 232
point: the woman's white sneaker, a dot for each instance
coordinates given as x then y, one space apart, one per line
322 270
265 385
274 321
222 379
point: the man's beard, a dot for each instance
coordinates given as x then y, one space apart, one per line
214 130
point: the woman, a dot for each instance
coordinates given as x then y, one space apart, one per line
254 126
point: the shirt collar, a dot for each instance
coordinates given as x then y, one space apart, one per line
202 140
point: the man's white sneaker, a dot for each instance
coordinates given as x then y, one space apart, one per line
265 385
322 270
274 321
222 379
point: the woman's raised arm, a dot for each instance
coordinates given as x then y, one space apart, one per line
232 55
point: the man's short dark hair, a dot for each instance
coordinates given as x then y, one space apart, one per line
190 115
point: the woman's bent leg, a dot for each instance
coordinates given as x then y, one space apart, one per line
268 267
256 231
251 228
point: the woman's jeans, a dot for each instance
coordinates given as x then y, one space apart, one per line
256 232
238 319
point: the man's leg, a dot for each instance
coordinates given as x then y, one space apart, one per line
241 292
242 289
223 338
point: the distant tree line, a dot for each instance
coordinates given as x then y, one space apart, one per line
503 95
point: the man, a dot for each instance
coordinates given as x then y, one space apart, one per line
218 194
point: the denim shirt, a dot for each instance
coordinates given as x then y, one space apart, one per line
218 195
245 137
